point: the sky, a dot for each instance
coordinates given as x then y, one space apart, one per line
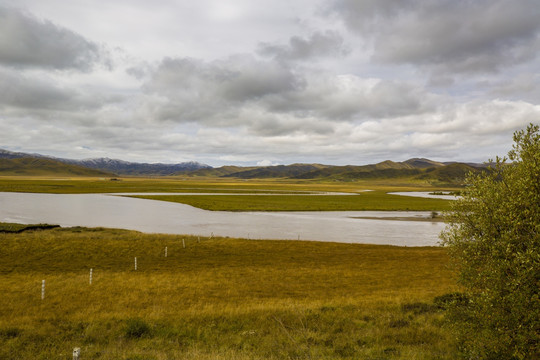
243 82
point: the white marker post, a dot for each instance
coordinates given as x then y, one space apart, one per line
42 289
165 251
91 276
135 264
183 243
76 353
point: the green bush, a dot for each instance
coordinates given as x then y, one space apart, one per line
494 239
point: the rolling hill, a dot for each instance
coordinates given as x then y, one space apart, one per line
45 167
118 167
417 169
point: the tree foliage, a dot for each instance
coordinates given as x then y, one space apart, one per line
494 239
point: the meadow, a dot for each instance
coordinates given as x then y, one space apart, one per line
218 298
80 185
287 195
371 200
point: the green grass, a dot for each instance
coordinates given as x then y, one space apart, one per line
79 185
372 200
44 167
17 228
219 298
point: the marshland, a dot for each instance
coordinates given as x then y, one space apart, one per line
212 297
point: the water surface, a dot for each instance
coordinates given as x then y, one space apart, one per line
152 216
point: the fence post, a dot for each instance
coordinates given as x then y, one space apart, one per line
76 353
91 276
135 263
42 289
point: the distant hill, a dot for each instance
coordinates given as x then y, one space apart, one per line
277 171
45 167
420 163
413 169
220 171
454 173
118 167
121 167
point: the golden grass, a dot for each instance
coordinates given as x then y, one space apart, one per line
179 184
218 298
371 200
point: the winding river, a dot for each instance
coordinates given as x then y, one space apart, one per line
152 216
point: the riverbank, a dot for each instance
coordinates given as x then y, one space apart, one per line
218 298
150 216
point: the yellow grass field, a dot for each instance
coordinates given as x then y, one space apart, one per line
218 298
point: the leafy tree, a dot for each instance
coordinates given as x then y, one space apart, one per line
494 239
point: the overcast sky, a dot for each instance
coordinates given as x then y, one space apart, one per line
268 82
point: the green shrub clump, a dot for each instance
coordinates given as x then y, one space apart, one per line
494 239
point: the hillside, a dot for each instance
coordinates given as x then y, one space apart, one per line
115 166
278 171
45 167
452 173
416 169
137 169
220 171
412 169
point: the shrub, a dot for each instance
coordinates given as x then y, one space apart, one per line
494 239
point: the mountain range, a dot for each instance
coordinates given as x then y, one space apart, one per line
113 166
16 163
415 169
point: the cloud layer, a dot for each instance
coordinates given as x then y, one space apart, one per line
26 41
342 82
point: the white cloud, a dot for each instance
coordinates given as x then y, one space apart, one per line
266 163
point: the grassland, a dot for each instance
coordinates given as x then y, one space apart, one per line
218 298
378 199
372 200
17 228
42 167
80 185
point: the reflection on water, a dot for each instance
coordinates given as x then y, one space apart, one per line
153 216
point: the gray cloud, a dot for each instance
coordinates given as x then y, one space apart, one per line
193 89
523 86
348 97
455 36
319 44
244 91
44 97
20 91
26 41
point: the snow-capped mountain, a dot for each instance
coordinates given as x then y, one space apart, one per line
119 167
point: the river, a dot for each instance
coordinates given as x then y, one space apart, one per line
152 216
